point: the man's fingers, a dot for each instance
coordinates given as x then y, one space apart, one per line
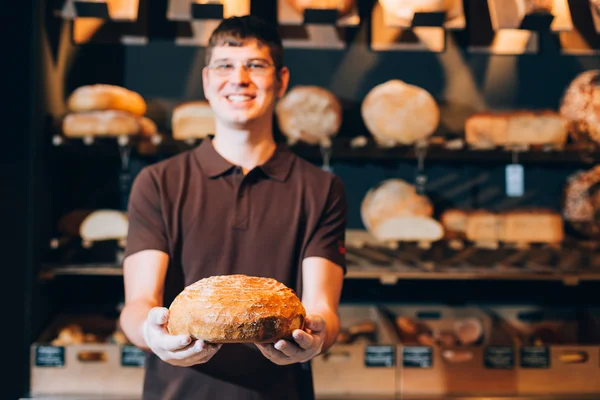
287 348
315 323
173 343
269 350
303 339
158 316
198 348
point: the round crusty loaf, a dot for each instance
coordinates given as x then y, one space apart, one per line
101 123
106 97
581 106
397 112
309 113
581 202
193 120
405 9
343 6
235 309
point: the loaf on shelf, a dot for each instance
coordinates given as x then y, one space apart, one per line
486 130
582 202
106 123
309 114
106 97
343 6
515 226
405 9
396 112
95 225
394 211
580 104
106 110
536 6
193 120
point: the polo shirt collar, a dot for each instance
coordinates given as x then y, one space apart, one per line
277 167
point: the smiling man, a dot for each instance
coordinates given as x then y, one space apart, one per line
238 203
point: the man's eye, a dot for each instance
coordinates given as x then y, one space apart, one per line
257 65
224 67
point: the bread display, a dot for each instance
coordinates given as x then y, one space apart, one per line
580 104
487 130
104 123
534 6
343 6
236 308
395 211
582 202
515 226
464 332
309 114
106 97
405 9
193 120
395 112
95 225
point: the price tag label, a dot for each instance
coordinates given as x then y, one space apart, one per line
417 357
515 180
380 356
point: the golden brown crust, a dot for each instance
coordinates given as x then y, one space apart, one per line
580 104
236 309
106 97
101 123
193 120
343 6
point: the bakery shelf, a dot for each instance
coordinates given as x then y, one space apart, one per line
352 148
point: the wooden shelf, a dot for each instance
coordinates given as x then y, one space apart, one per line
343 149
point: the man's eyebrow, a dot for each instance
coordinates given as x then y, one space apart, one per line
250 59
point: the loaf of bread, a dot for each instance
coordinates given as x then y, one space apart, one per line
193 120
580 104
395 112
405 9
343 6
581 202
106 97
516 226
518 128
95 225
105 123
395 211
309 114
236 308
454 222
534 6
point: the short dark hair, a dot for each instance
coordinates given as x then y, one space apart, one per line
236 31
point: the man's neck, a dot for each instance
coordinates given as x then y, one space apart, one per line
247 148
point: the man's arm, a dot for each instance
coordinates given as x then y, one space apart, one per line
144 274
322 282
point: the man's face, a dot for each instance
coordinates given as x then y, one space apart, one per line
241 83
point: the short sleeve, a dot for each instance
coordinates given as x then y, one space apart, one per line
328 239
147 230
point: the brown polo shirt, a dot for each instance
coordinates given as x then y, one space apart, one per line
213 220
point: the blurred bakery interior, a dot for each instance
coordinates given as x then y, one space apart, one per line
466 132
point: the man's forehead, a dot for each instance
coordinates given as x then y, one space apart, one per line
249 48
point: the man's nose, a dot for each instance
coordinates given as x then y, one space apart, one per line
240 74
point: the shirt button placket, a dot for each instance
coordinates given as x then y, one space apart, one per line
241 203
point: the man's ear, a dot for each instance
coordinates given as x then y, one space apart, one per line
283 79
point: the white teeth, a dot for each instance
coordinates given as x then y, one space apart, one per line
238 98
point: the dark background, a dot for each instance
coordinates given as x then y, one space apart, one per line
42 183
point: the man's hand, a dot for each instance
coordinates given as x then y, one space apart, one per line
178 350
307 344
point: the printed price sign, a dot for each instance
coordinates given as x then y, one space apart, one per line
515 180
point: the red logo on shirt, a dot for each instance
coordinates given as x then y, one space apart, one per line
341 247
